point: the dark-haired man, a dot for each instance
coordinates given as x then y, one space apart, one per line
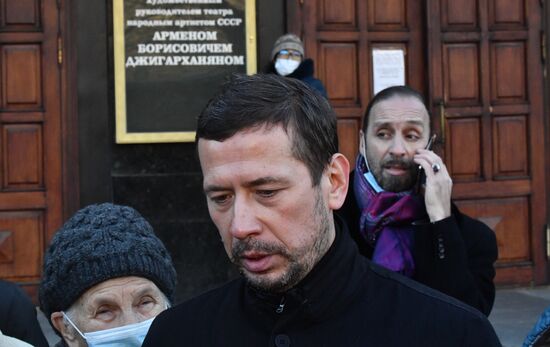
423 236
273 177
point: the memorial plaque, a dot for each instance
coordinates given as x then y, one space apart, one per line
170 58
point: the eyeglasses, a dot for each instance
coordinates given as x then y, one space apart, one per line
285 53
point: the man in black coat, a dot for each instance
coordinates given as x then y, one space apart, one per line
273 176
407 225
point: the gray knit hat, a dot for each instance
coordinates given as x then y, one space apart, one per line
288 41
98 243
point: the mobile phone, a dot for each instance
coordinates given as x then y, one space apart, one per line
421 176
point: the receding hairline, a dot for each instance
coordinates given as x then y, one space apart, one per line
425 112
402 97
388 94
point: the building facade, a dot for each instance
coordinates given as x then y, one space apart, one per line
481 65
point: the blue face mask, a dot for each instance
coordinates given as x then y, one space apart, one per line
131 335
369 176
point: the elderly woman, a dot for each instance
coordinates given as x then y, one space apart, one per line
106 277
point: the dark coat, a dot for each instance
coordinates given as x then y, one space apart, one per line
455 255
344 301
18 316
304 72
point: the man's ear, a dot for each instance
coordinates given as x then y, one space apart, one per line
67 332
338 171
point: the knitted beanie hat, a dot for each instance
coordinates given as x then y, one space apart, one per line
288 41
98 243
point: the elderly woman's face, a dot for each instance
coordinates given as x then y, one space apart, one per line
118 302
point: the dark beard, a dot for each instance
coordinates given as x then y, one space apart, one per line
299 264
294 270
396 184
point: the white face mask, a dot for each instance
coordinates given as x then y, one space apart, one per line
131 335
285 67
368 175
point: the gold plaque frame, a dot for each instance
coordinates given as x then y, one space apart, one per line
122 134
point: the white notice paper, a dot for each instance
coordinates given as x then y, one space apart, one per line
388 68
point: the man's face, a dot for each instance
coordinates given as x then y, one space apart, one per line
116 302
274 225
397 128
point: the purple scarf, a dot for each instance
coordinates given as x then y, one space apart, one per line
385 222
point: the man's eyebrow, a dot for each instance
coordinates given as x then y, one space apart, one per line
251 184
409 122
213 188
265 180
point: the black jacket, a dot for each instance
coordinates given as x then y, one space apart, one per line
304 72
18 315
455 255
344 301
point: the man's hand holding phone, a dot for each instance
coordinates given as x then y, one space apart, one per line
438 186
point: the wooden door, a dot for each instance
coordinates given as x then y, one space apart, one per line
30 136
340 37
486 90
478 62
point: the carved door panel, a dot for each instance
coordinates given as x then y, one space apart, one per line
340 37
30 138
486 94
